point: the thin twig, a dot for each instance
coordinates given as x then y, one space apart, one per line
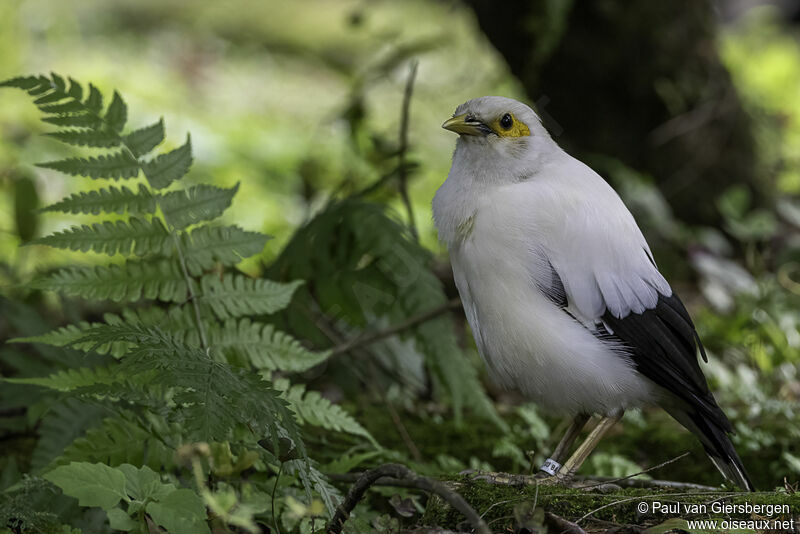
662 496
652 483
274 488
331 333
368 339
398 423
613 481
189 284
402 172
398 471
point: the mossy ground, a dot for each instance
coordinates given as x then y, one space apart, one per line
499 504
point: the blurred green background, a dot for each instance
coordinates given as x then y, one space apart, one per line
690 109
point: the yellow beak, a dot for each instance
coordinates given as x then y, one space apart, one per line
461 125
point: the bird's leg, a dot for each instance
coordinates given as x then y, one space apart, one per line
553 464
586 448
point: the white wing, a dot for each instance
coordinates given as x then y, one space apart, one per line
595 248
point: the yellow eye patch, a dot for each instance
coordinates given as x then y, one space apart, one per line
516 128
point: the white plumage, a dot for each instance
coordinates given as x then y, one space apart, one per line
545 254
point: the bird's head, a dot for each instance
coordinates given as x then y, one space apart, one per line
492 127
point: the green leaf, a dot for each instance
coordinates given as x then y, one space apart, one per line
180 512
143 483
95 99
235 295
90 138
117 113
70 334
143 140
196 204
116 166
82 120
313 409
228 245
92 484
262 346
26 83
170 166
109 200
63 423
131 281
141 235
118 519
117 441
68 379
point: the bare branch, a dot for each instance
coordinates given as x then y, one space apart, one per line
402 171
368 339
401 472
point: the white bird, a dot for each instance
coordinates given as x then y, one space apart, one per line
560 288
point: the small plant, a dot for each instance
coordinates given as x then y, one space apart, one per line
186 364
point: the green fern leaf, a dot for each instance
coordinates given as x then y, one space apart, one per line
313 409
228 245
161 280
109 200
70 106
213 396
27 83
235 295
69 379
64 422
142 236
262 346
118 441
196 204
143 140
95 100
78 120
83 137
120 165
313 479
117 114
69 336
168 167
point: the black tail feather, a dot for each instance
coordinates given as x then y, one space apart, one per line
717 444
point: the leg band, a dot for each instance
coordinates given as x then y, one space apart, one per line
550 466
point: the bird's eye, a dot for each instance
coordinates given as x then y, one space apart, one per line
506 121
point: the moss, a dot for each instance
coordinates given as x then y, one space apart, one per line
497 503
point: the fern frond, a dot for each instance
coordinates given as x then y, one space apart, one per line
133 280
314 480
143 140
313 409
169 166
117 113
140 235
177 320
235 295
63 423
69 379
198 203
118 441
60 337
228 245
262 346
109 200
118 166
214 396
86 137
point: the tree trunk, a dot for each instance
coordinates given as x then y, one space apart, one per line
638 81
